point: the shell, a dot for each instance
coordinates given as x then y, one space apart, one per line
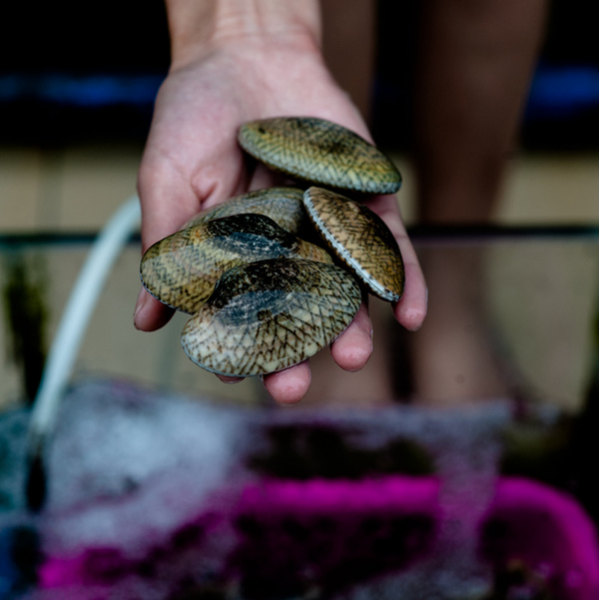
282 204
182 269
320 152
270 315
360 238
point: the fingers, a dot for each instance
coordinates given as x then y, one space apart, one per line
352 349
289 386
286 387
410 311
171 192
150 314
159 219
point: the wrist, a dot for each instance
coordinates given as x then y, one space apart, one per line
198 28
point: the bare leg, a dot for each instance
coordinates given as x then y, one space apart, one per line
477 58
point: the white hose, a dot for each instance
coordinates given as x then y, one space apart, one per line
75 318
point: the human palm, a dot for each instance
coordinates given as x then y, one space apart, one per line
192 161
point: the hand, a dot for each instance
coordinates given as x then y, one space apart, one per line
192 161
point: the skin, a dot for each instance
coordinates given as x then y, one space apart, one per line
479 58
230 64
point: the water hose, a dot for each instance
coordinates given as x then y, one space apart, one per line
67 341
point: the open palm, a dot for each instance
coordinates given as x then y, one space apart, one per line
192 161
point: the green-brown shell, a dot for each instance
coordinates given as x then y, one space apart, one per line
282 204
261 303
321 152
360 238
270 315
182 269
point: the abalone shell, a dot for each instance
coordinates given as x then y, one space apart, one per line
182 269
270 315
282 204
320 152
359 238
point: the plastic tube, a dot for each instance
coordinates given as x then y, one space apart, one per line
73 324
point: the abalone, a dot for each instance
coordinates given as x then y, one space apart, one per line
182 269
359 238
269 315
262 298
321 152
282 204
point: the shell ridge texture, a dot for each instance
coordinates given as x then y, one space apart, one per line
267 335
263 299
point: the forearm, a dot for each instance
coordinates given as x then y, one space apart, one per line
199 26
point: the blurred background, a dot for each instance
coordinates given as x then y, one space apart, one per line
77 87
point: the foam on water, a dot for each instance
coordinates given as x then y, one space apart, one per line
126 464
151 496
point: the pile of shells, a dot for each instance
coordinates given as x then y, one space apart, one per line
262 298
